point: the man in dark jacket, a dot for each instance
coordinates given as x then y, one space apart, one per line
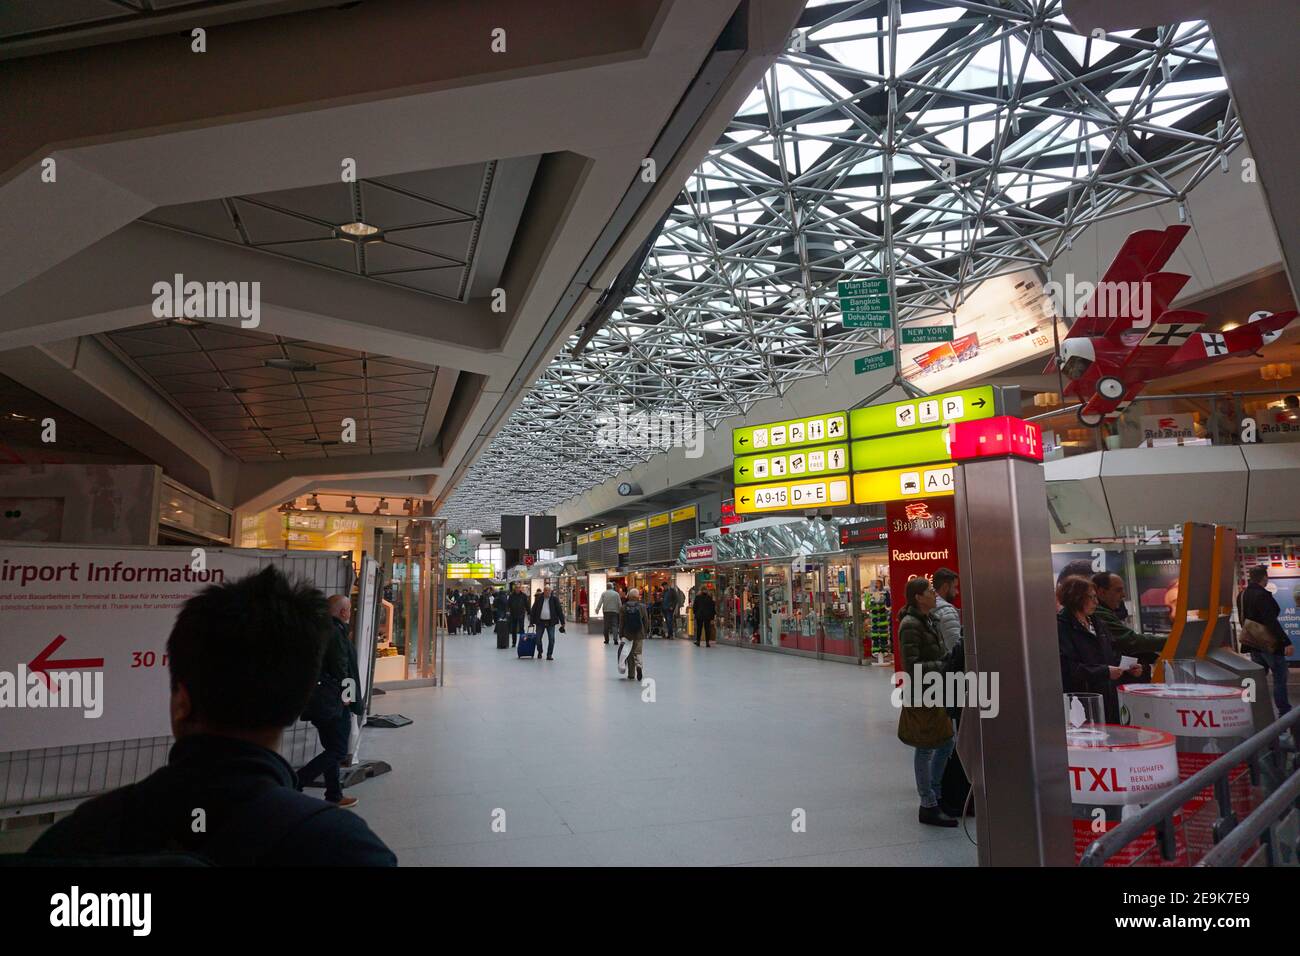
336 698
1110 601
518 604
1256 603
243 659
672 600
705 610
485 605
545 614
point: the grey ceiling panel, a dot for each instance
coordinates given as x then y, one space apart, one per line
338 254
457 186
386 208
208 218
331 203
264 225
384 257
444 282
450 240
29 16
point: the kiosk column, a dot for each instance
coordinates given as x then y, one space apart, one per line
1016 761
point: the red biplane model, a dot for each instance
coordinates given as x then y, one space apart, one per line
1126 336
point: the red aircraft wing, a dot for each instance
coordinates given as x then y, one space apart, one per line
1161 342
1206 347
1157 290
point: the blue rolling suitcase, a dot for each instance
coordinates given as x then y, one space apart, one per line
527 645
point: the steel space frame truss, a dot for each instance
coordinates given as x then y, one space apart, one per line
936 144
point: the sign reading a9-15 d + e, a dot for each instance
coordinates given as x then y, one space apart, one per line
828 460
792 433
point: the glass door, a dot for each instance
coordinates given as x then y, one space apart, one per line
835 599
777 626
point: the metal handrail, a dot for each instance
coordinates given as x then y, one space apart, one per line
1229 850
1159 813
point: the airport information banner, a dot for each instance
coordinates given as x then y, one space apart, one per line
83 635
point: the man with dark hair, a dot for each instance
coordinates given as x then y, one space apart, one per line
1256 603
243 659
518 605
1110 598
946 616
1075 569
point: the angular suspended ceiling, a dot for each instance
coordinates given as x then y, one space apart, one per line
947 145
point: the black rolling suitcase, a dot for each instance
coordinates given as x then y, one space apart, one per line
503 633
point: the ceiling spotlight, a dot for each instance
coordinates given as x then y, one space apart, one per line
352 505
188 323
382 507
313 503
359 230
286 507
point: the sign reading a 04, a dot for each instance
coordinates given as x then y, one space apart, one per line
827 460
792 433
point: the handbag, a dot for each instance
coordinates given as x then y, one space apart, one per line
1257 637
924 727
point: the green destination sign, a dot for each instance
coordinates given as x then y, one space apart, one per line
929 412
852 287
872 362
824 460
865 320
865 303
916 334
908 448
792 433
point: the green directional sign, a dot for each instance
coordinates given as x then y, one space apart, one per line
865 320
872 362
906 448
792 433
928 412
916 334
865 303
853 287
818 461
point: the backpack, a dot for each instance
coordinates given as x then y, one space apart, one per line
633 623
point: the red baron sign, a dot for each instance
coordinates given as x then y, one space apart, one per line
922 538
700 553
1137 766
1187 710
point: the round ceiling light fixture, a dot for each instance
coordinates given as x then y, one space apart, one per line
360 231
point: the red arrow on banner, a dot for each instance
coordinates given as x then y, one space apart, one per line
42 663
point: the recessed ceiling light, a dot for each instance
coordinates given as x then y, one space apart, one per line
290 365
188 323
359 230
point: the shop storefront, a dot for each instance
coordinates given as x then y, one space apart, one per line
803 587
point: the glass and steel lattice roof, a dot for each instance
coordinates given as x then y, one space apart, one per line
937 144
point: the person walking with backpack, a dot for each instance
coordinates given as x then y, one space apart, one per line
545 614
705 610
633 621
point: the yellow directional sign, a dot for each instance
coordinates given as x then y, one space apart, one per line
793 495
929 412
827 460
470 570
896 484
792 433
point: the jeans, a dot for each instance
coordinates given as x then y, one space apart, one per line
547 629
334 734
928 766
1277 669
670 622
611 625
516 627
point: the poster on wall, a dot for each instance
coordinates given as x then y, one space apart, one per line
83 635
1157 583
1112 561
922 539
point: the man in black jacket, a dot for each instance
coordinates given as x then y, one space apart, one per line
545 614
1256 603
336 698
518 604
243 659
705 610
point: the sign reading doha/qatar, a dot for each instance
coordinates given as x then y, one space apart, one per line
94 619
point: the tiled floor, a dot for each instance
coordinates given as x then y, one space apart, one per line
575 768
